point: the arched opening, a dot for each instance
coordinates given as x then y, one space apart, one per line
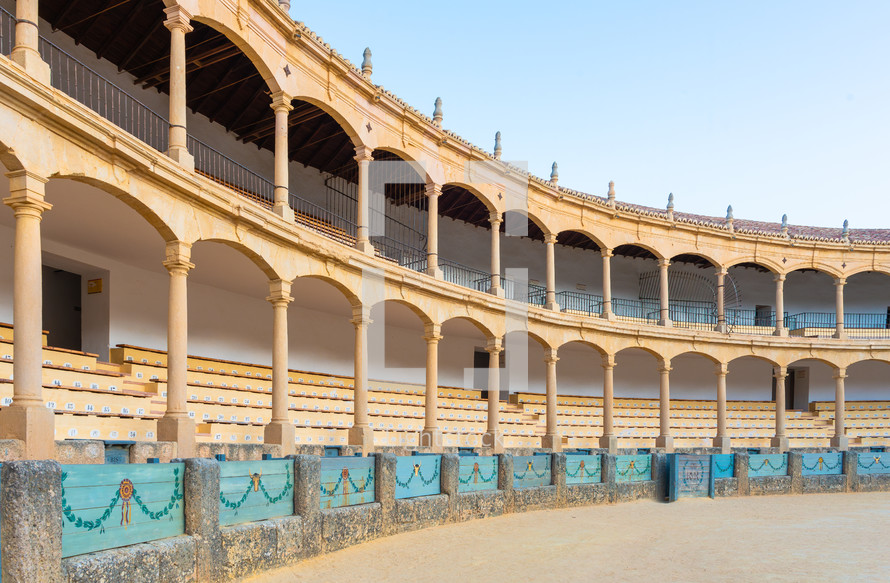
633 297
636 409
867 305
579 284
810 303
866 395
750 401
756 290
693 292
465 240
524 375
580 380
808 382
693 400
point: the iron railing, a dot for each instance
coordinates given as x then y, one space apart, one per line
7 32
460 274
322 220
580 303
688 314
751 322
625 309
227 172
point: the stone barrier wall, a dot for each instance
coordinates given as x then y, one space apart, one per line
31 515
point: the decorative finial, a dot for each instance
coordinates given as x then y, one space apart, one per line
554 174
497 146
729 219
846 234
611 193
670 206
784 225
437 113
367 65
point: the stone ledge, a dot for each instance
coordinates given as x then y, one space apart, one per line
474 505
586 494
421 512
769 485
543 497
350 525
726 487
170 560
824 484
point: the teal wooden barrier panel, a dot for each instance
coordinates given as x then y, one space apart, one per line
822 464
110 506
874 463
347 481
531 471
723 465
477 473
633 468
690 476
772 464
256 490
418 476
584 469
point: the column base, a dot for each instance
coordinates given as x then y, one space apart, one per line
724 444
779 442
782 332
34 426
721 328
182 431
435 272
610 316
30 61
362 437
665 442
284 211
432 439
841 442
493 440
666 323
181 156
552 442
609 442
365 247
840 335
281 433
497 291
551 306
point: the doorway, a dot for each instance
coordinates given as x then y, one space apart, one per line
62 308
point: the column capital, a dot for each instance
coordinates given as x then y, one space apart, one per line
494 346
607 253
550 356
721 369
779 277
432 333
432 189
840 373
27 192
664 263
780 372
550 238
178 18
279 292
609 361
361 316
178 257
495 219
364 154
281 101
721 272
840 281
664 365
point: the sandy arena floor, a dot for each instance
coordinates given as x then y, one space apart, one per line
833 537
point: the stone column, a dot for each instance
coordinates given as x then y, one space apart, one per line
179 23
665 440
361 433
26 52
665 319
722 439
840 439
432 241
607 313
176 425
493 437
608 440
280 430
721 301
281 105
780 440
550 299
780 305
495 220
551 439
432 436
363 155
839 284
27 418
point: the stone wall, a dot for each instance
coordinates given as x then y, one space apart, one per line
208 552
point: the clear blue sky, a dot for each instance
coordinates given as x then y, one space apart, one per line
771 106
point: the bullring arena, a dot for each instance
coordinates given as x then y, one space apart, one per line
259 309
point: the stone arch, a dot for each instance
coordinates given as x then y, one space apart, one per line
347 292
255 257
485 330
768 264
489 205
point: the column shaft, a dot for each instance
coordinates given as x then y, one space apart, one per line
839 307
432 256
362 241
26 51
493 437
495 221
178 22
550 299
281 105
780 440
722 439
552 439
607 284
665 440
280 430
780 306
608 396
840 439
664 293
721 301
361 433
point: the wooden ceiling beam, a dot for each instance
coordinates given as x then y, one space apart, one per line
124 26
136 49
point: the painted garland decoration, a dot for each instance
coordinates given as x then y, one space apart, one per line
126 492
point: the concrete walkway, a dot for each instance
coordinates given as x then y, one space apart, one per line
829 537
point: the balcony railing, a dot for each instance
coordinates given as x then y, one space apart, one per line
460 274
580 303
751 322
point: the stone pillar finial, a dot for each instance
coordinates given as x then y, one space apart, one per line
554 174
284 4
845 235
611 193
497 146
729 219
784 225
670 206
367 65
437 113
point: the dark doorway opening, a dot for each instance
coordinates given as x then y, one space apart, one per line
62 308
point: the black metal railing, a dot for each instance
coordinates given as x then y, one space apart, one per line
460 274
688 314
580 303
759 322
625 309
322 220
7 32
227 172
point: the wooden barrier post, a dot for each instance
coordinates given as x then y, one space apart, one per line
31 519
